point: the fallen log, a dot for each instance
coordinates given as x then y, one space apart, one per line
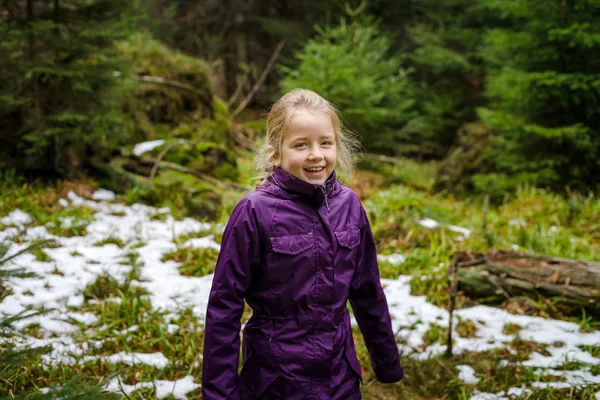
205 177
499 275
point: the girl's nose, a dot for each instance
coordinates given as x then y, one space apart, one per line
315 154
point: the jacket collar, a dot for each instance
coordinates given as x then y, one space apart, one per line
284 184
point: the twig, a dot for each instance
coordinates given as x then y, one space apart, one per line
386 159
208 178
260 80
453 289
472 263
353 13
157 161
239 88
498 286
205 177
166 82
228 19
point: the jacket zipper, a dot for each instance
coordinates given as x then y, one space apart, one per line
324 189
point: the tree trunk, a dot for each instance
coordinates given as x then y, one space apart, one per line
498 275
35 88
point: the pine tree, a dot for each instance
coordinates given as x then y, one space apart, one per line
57 97
441 42
353 67
543 86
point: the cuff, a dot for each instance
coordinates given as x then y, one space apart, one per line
389 375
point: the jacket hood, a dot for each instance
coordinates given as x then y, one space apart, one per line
285 185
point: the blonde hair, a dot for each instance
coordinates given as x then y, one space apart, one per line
280 115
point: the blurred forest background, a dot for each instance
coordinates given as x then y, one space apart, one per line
504 93
480 121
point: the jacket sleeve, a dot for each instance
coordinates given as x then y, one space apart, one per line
371 310
240 249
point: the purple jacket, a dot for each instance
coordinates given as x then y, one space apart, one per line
296 252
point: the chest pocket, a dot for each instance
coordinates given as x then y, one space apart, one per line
292 244
288 254
348 239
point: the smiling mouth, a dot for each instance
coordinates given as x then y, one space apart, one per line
314 169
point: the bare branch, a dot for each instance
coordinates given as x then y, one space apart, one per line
239 88
157 161
260 80
166 82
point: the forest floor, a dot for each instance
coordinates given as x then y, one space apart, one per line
128 284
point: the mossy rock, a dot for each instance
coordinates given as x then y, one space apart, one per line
215 129
191 130
159 111
169 179
206 157
221 124
160 103
169 188
207 204
471 166
201 198
116 175
466 160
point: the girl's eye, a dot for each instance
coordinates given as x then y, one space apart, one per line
327 143
300 145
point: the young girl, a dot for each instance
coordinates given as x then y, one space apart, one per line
296 249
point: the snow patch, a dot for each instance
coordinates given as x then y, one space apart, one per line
103 194
164 388
145 147
17 218
153 359
393 259
429 223
206 242
467 375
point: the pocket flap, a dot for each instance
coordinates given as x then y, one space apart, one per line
349 238
293 244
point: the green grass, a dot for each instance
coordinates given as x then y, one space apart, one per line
216 230
436 334
110 240
587 323
593 350
194 261
40 200
466 328
511 329
402 171
104 287
40 255
437 377
152 333
532 219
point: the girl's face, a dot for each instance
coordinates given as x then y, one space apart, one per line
308 149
